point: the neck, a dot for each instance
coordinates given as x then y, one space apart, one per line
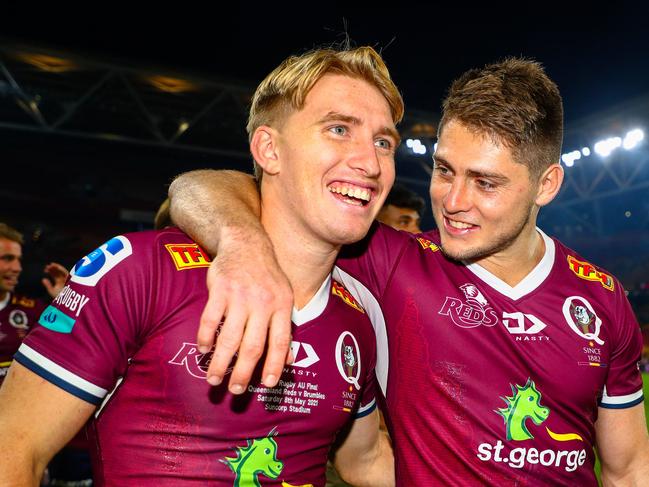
3 295
513 264
305 259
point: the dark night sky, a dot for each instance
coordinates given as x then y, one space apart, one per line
598 57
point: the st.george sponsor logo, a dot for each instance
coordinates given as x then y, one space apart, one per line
589 272
525 404
188 256
339 290
91 268
474 311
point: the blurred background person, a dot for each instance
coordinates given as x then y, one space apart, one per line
402 209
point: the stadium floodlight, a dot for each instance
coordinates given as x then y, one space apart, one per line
585 151
409 143
569 158
605 147
632 138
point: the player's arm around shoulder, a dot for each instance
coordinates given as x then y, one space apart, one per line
364 457
37 419
623 446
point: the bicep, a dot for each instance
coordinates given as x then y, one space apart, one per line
360 443
38 418
622 440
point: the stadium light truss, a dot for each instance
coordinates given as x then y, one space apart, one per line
605 147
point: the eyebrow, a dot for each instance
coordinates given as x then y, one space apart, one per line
498 177
350 119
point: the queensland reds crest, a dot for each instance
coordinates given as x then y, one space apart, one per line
582 319
348 358
18 319
474 311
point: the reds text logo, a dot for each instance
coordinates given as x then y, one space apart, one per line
473 311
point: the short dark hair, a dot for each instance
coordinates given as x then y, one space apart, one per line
405 198
515 103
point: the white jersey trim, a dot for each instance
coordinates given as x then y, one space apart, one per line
374 312
532 281
315 306
5 301
620 400
362 410
61 373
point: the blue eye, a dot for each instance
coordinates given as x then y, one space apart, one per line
383 144
339 130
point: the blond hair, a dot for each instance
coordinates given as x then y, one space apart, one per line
285 89
11 234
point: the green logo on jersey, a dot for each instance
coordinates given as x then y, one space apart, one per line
524 403
259 456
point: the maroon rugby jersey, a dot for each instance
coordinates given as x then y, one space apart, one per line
488 384
18 314
129 315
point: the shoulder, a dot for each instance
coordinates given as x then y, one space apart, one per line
25 302
584 271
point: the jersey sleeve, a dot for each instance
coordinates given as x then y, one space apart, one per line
373 260
92 327
623 387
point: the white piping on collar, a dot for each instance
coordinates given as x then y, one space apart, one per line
5 301
315 306
530 282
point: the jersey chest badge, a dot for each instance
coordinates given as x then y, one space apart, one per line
473 311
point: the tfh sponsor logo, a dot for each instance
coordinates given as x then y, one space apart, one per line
589 272
188 256
473 311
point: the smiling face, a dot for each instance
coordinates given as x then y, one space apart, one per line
332 162
10 266
484 202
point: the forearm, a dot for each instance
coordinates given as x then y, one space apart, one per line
18 468
635 473
373 468
214 206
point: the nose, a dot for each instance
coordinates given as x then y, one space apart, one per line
458 197
366 159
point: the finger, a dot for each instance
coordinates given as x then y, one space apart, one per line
252 348
279 347
210 320
227 344
47 285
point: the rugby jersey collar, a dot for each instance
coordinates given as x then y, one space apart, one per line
315 306
5 301
530 282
